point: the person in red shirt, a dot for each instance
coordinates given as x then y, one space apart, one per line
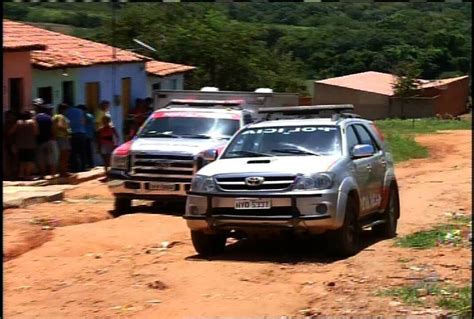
107 138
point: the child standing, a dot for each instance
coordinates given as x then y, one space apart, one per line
107 138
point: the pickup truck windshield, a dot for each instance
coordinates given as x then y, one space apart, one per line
189 127
314 140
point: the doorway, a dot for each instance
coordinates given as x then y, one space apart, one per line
126 95
16 94
92 96
68 92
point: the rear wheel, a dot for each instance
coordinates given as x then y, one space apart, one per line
344 241
389 228
122 206
208 245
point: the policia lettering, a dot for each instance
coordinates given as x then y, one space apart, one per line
288 130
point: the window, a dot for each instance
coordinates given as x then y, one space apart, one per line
68 92
16 94
351 138
46 93
174 84
318 140
365 137
156 86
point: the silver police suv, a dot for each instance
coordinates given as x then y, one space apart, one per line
331 175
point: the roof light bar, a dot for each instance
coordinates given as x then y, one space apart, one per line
206 102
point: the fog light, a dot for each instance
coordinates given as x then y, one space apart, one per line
321 209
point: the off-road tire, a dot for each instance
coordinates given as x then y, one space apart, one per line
344 242
208 245
390 216
122 206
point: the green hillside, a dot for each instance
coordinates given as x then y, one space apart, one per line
240 46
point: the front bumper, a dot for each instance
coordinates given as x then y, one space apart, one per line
211 213
122 184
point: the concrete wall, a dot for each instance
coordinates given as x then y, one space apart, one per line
453 99
17 65
108 88
99 73
415 107
368 105
54 79
166 83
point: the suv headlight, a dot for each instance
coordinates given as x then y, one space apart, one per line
119 162
316 181
202 184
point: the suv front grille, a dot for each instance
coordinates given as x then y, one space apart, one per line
270 183
164 168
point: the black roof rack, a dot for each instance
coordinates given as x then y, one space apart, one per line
335 111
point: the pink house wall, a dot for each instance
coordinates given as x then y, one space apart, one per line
17 65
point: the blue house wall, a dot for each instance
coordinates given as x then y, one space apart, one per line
110 79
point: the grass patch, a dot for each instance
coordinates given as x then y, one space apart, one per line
429 238
452 298
459 301
446 234
421 126
405 147
400 134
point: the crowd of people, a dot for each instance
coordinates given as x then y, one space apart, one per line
41 142
48 143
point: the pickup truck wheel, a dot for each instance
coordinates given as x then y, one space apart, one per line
208 245
344 241
122 206
392 211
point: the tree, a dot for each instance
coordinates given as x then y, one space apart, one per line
407 82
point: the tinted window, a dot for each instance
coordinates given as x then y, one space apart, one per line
286 141
365 137
351 138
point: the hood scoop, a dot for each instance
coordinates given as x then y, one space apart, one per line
258 162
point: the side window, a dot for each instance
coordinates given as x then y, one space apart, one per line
351 138
365 137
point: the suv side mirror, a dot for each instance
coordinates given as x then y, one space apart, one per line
362 150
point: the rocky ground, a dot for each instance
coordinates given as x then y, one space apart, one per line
71 259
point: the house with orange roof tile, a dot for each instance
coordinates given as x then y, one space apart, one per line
78 71
373 95
17 72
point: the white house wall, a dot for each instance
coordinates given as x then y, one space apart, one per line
166 83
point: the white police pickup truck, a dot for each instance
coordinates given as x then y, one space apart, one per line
174 142
315 175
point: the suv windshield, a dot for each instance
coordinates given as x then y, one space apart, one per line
310 140
190 127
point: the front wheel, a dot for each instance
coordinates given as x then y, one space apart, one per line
208 245
122 206
389 228
344 241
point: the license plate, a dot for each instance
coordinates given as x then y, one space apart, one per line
248 203
161 187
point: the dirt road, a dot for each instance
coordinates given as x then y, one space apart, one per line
116 268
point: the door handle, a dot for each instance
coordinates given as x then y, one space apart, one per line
369 167
383 163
